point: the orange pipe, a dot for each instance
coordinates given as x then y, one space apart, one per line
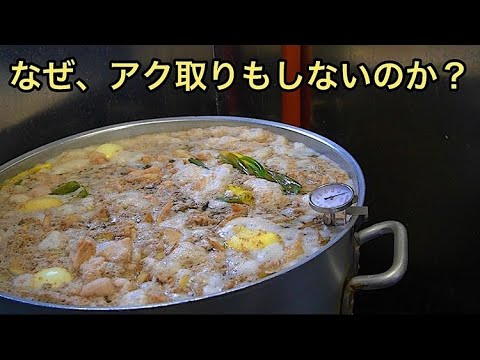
291 100
306 102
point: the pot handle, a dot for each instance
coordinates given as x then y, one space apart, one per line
387 278
400 256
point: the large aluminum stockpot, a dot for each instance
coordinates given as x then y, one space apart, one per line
322 283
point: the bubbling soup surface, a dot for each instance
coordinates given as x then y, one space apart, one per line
161 217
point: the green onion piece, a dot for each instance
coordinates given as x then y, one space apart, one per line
66 188
250 166
197 162
288 185
83 193
232 159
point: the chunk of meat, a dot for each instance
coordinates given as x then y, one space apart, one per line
202 219
148 217
117 251
200 184
170 237
83 250
98 287
238 210
120 282
146 159
130 231
55 240
92 268
268 195
103 214
155 296
143 175
216 244
165 212
70 221
188 254
296 250
203 156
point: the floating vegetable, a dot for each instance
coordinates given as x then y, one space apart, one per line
71 187
41 203
238 195
246 239
109 150
19 177
55 277
288 185
250 166
66 188
197 162
83 193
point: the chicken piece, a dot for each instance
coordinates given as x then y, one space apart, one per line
196 220
188 254
156 296
92 268
215 243
138 175
294 251
238 210
55 240
103 215
143 277
200 184
268 268
268 195
165 212
146 159
83 250
148 218
182 153
98 287
170 238
130 231
121 282
70 221
123 285
203 156
117 251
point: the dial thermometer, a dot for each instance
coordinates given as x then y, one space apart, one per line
333 199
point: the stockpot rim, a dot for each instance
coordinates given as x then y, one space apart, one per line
232 121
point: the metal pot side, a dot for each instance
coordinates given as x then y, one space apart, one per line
314 285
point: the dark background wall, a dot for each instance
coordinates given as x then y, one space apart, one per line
419 150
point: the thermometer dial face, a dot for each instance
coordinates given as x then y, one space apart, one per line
331 198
